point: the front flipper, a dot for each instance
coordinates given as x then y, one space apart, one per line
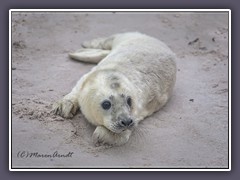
89 55
103 136
66 108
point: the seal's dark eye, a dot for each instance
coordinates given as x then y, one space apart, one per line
106 105
129 101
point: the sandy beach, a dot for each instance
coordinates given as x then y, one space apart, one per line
191 131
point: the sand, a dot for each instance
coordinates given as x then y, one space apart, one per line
191 131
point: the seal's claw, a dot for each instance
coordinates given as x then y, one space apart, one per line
65 108
98 136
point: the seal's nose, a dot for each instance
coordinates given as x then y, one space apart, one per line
126 122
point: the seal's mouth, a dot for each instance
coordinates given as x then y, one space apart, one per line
119 127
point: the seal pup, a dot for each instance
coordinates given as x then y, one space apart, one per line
134 78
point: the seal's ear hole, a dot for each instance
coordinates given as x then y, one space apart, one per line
129 101
106 105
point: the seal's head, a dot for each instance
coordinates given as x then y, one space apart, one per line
116 110
108 102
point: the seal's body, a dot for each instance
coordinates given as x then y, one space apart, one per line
133 79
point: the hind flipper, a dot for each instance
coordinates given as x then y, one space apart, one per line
89 55
100 43
95 50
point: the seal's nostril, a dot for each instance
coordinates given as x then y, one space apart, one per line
123 123
126 122
130 121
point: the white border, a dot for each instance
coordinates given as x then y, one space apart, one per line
116 10
230 88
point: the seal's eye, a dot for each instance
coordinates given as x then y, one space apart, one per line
106 105
129 101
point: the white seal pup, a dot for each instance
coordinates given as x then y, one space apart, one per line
133 79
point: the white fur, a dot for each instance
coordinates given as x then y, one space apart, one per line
145 68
